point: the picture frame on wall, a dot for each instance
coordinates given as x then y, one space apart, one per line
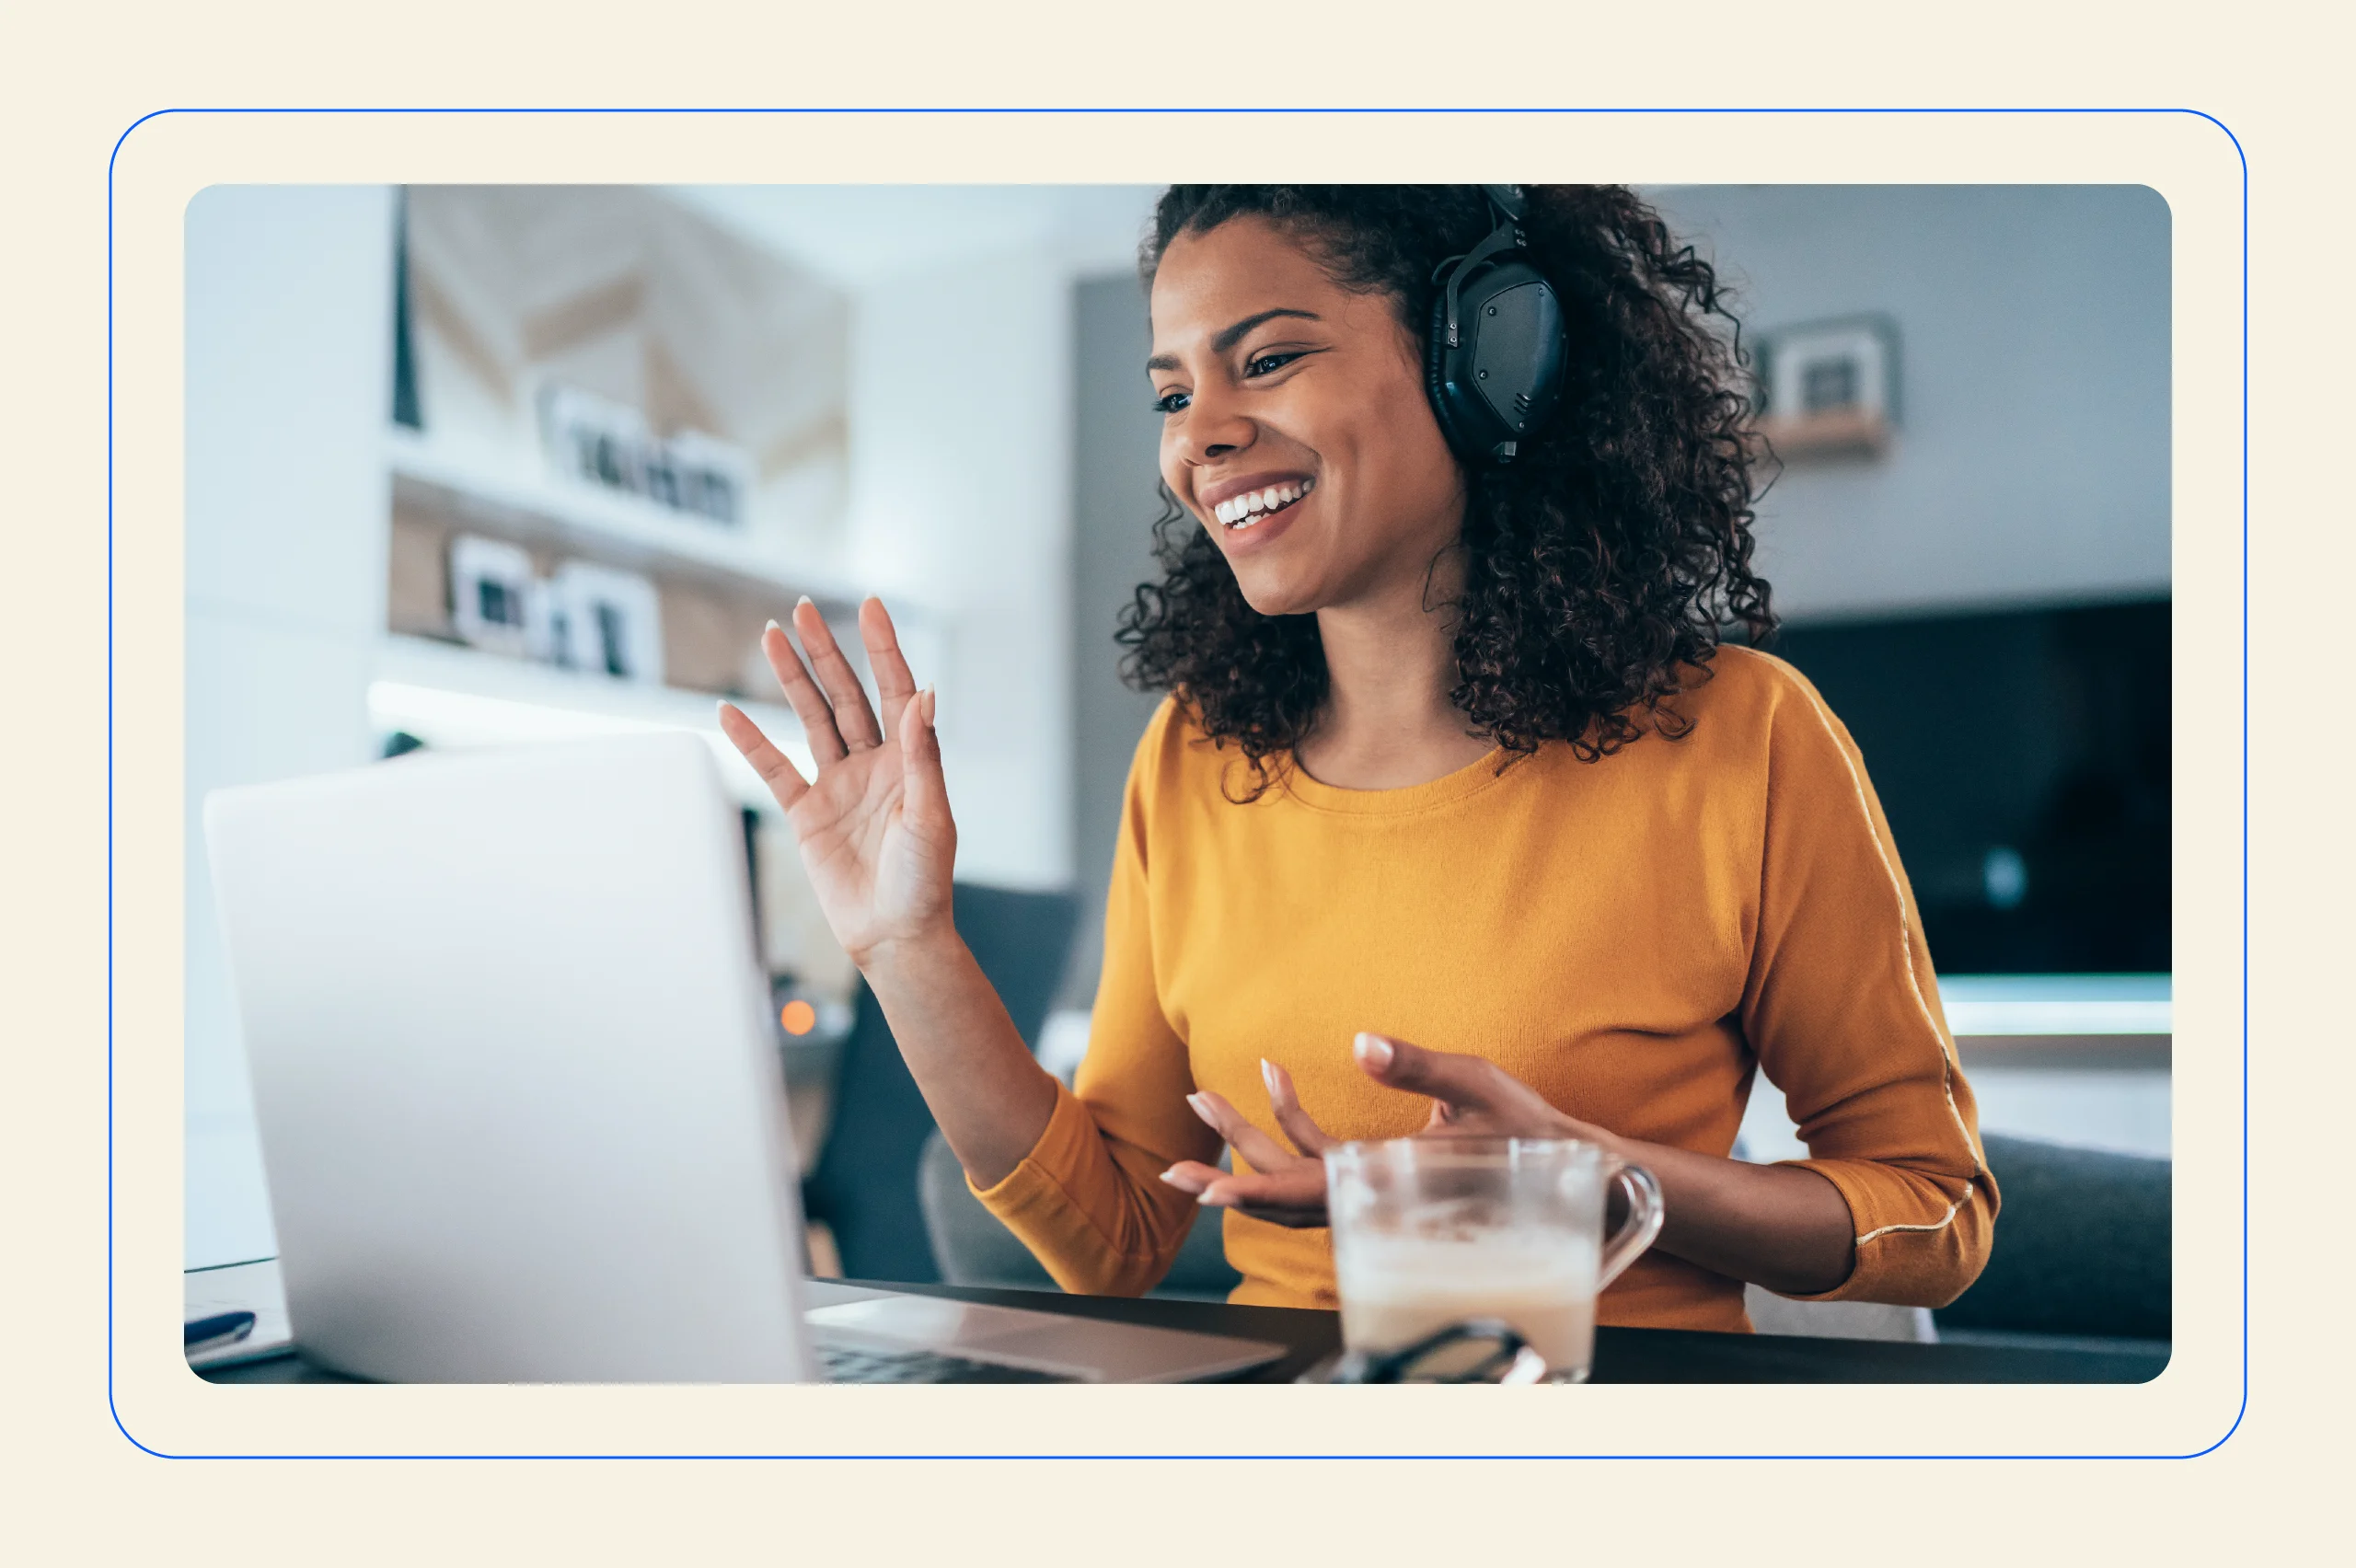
1828 388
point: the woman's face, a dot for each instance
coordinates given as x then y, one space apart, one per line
1295 426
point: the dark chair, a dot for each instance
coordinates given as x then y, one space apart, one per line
2082 1247
972 1248
864 1188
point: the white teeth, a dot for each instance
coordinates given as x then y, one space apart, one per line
1238 511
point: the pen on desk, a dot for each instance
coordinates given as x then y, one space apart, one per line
225 1328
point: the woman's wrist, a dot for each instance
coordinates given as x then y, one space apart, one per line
1627 1151
891 960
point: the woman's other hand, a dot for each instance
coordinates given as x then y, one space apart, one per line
1471 1097
873 827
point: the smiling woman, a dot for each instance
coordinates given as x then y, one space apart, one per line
1451 753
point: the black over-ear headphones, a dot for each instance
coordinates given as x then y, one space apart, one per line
1493 365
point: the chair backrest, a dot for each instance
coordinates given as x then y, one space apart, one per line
968 1242
2082 1245
972 1248
864 1187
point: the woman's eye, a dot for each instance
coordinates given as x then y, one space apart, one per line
1267 364
1170 403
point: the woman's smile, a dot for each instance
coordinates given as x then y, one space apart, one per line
1254 510
1243 511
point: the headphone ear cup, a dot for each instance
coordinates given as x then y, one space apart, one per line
1437 376
1499 386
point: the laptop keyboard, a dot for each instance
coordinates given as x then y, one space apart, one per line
850 1364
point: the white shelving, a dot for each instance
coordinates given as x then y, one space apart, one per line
451 696
457 698
529 504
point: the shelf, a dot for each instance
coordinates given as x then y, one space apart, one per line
2052 1005
529 505
457 698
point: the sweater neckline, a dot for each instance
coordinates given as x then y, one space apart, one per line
1448 788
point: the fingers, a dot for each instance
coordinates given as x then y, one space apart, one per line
893 683
1471 1095
1264 1152
777 770
801 693
1191 1176
1306 1135
1295 1196
924 792
854 720
1466 1083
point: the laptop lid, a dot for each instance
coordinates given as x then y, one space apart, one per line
521 1111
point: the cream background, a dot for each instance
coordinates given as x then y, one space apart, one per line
91 1485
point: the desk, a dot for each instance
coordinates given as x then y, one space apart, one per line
1621 1355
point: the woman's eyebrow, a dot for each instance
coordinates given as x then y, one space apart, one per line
1228 339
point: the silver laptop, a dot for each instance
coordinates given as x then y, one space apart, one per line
520 1099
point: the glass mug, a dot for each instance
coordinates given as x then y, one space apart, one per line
1429 1232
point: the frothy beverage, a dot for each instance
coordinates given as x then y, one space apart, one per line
1429 1232
1397 1289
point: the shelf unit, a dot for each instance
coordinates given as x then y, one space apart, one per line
531 506
450 694
455 697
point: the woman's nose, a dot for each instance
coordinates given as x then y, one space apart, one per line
1214 428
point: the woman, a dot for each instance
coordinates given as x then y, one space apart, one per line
1452 755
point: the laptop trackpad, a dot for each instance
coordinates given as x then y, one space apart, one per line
918 1320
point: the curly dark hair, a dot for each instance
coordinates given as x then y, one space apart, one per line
1602 567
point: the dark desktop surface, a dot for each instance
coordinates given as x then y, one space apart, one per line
1621 1355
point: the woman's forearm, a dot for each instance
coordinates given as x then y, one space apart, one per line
1780 1225
990 1098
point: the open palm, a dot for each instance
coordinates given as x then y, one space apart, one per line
873 827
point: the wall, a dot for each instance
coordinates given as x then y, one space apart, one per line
289 386
2031 458
961 415
1114 506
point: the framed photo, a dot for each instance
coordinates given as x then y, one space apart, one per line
606 622
594 440
492 596
1829 388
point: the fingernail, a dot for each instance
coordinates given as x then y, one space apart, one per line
1202 1107
801 601
1374 1050
1268 1075
1170 1178
927 697
773 626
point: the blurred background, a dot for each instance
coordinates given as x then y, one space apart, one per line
474 465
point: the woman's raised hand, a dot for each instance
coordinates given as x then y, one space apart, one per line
1471 1097
873 827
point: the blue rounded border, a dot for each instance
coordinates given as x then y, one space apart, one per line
2238 151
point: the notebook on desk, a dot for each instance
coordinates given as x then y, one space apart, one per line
520 1099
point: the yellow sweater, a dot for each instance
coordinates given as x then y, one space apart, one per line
1632 936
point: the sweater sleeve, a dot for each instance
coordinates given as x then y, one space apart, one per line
1088 1199
1842 1009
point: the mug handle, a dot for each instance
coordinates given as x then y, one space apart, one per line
1637 1231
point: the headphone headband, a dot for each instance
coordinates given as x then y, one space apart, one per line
1508 201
